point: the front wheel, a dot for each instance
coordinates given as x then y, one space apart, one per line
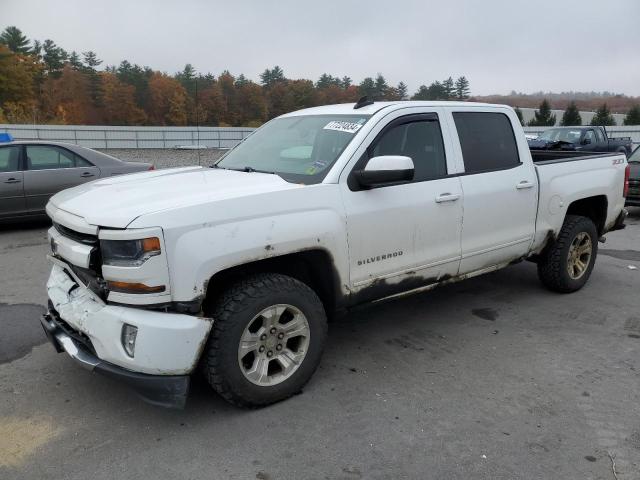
268 335
566 265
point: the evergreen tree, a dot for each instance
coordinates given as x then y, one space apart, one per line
53 57
367 88
37 49
13 38
74 61
571 116
450 88
633 116
603 117
402 90
91 60
421 94
241 81
543 116
325 81
346 82
269 78
96 92
187 77
437 91
519 115
462 88
381 87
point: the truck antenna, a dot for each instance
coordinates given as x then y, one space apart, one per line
363 102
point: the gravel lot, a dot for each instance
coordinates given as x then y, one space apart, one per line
492 378
165 158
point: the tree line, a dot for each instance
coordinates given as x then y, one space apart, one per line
543 116
40 82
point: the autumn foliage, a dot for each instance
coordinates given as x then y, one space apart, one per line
41 83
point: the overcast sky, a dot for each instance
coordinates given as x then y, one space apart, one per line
500 45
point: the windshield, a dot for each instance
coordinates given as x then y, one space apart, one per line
561 135
300 149
635 156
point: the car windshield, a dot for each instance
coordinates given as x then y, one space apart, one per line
635 156
561 135
300 149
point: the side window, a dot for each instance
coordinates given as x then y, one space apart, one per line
421 141
590 136
487 141
81 162
41 157
600 135
9 159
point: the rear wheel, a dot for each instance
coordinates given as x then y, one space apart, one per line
566 265
267 339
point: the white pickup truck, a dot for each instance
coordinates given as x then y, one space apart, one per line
236 268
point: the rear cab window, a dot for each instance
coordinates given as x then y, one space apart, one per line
487 141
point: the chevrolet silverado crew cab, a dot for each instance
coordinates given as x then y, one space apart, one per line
234 269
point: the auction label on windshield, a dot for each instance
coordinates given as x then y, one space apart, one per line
348 127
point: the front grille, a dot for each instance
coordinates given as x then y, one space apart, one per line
79 237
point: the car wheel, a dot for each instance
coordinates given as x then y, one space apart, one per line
266 342
566 265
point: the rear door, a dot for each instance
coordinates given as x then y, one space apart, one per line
51 168
500 189
12 202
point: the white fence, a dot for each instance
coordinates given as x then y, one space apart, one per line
170 137
131 137
633 132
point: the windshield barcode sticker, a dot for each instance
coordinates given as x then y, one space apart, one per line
347 127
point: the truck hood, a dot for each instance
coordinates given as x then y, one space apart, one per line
117 201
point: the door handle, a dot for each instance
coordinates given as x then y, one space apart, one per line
524 184
12 180
87 175
447 197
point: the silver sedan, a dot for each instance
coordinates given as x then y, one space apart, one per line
32 171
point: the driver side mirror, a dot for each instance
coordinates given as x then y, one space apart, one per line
384 170
586 141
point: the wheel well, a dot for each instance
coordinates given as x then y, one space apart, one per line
594 208
314 268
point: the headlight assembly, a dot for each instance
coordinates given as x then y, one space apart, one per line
129 253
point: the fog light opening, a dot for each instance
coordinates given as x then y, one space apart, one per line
129 334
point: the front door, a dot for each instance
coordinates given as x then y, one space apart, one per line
12 202
407 235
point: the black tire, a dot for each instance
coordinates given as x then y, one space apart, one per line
553 264
233 311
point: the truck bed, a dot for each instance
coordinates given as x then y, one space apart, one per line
541 157
559 175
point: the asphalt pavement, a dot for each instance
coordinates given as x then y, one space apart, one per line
491 378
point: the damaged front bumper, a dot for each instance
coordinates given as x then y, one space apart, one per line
167 345
163 390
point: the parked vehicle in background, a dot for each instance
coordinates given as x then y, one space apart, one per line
32 171
585 139
236 268
633 196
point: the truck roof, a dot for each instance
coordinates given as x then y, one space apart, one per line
347 108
